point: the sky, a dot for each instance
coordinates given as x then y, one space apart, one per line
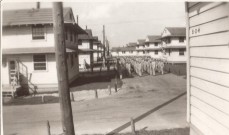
124 21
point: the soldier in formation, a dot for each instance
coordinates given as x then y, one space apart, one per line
142 65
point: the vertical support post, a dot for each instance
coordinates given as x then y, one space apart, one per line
48 128
104 43
96 94
109 89
116 85
72 97
62 69
188 61
132 126
43 99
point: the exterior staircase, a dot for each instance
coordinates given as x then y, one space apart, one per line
19 79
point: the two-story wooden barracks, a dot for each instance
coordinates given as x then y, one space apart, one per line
28 49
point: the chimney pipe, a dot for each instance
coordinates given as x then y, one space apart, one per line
86 27
38 5
77 19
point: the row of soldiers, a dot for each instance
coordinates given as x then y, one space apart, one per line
141 65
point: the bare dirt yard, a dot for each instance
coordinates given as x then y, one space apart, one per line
137 96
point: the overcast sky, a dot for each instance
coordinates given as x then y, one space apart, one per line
124 22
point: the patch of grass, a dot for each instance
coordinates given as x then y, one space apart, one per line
31 100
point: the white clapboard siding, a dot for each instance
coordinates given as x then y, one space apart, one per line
212 14
202 7
212 100
208 67
210 122
210 52
212 88
221 65
201 126
217 115
210 27
209 40
212 76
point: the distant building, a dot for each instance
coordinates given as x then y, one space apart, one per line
97 54
85 45
174 49
174 44
128 50
29 52
140 47
153 46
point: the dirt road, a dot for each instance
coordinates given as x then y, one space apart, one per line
138 95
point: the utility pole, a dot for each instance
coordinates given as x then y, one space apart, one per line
62 69
104 42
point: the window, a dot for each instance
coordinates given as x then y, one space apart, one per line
181 52
181 39
168 40
156 44
156 52
38 32
39 62
131 51
123 52
79 42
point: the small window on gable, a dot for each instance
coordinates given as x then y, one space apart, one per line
39 62
38 32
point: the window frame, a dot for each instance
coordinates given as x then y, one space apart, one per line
181 52
46 63
181 39
33 32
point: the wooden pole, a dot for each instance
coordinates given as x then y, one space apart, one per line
132 126
43 99
109 89
48 128
62 69
96 94
104 43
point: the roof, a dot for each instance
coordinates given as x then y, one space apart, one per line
37 16
87 36
141 41
176 31
32 16
154 38
34 50
132 44
87 50
175 47
118 49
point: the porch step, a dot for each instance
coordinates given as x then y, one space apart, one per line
8 91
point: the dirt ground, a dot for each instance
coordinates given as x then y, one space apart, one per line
100 116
